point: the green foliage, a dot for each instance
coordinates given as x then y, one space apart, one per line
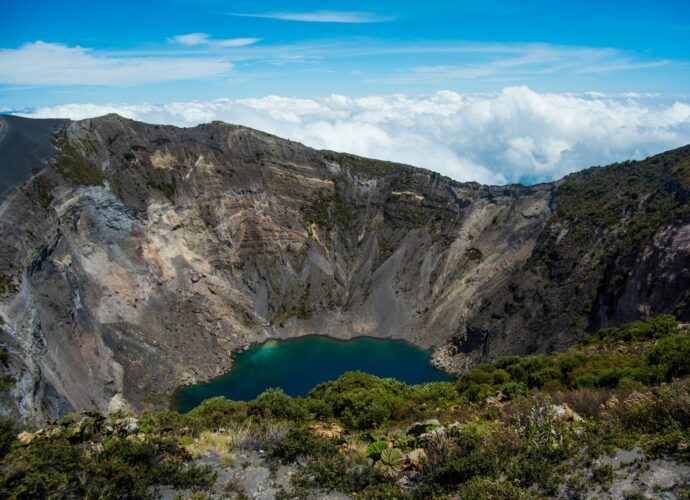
333 473
513 389
328 211
8 435
482 488
364 167
437 394
458 470
586 366
275 403
215 413
42 188
390 462
124 468
359 400
618 380
654 328
374 449
72 165
668 444
672 356
301 442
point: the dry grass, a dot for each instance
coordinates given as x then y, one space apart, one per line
274 432
239 437
213 442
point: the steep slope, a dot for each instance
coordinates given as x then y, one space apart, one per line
616 248
141 256
24 145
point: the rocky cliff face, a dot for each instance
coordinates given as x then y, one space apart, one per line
139 257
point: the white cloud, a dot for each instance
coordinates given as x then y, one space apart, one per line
514 135
204 39
43 63
192 39
235 42
322 16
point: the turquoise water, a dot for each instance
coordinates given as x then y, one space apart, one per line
297 365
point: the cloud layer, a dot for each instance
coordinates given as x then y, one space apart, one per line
515 135
43 63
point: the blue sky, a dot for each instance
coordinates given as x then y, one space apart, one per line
128 51
494 91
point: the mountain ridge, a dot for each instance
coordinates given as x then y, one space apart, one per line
139 257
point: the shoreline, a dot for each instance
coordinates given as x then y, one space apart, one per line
173 404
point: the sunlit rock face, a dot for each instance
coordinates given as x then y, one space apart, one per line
137 258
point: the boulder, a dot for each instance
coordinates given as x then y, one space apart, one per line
565 413
414 459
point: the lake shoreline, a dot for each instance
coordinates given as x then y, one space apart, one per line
364 350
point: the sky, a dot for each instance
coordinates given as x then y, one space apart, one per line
495 91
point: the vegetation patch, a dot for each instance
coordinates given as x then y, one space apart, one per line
328 211
7 284
521 427
72 165
365 167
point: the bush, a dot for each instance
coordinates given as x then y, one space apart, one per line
654 328
300 442
500 376
7 436
513 389
275 403
216 412
458 470
361 401
672 355
481 488
124 469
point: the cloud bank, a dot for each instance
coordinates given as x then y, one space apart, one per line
41 63
517 135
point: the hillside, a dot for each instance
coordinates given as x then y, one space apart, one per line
608 418
138 257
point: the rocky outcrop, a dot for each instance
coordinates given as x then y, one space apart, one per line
139 257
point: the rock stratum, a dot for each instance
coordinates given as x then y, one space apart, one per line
135 258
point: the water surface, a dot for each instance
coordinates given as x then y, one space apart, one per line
297 365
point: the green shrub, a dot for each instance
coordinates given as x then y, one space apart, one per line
165 421
653 328
500 376
478 377
481 488
8 435
216 412
476 392
436 394
513 389
458 470
275 403
124 469
374 449
667 444
672 354
333 473
301 442
72 165
361 401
